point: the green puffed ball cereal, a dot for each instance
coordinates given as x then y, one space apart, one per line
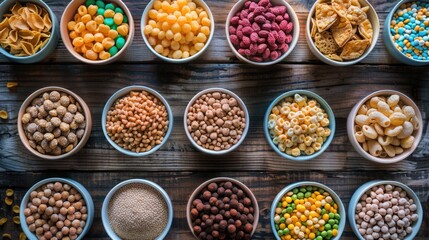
114 27
120 42
89 2
109 21
100 11
125 20
110 6
113 51
119 10
100 4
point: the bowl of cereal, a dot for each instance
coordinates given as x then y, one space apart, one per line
143 131
385 210
182 37
342 33
97 32
31 39
232 203
324 207
216 121
137 209
54 123
299 125
262 33
385 126
67 204
403 40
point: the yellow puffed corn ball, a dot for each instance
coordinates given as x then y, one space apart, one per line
77 42
91 55
103 55
92 9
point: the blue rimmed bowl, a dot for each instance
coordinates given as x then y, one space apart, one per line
79 187
323 104
50 46
367 186
122 92
290 187
156 187
390 45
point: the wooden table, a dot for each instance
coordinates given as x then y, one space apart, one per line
177 166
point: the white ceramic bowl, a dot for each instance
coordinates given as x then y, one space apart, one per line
122 92
240 104
372 16
105 206
295 33
199 3
351 130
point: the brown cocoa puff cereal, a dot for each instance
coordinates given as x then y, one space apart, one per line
222 210
137 122
216 121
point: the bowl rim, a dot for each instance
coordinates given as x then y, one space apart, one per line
78 186
199 3
334 195
104 212
54 30
356 145
376 33
241 104
295 33
121 93
389 35
68 43
325 106
243 187
86 111
368 185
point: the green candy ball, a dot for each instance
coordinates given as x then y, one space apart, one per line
109 21
113 51
120 42
89 2
119 10
100 4
114 27
125 20
110 6
100 11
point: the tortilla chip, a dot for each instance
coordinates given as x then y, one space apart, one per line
325 42
365 29
355 15
342 31
355 3
325 16
334 57
341 6
313 27
354 49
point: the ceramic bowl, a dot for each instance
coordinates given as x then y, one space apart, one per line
79 187
372 16
86 112
243 187
145 19
367 186
323 104
240 104
121 93
295 33
389 43
351 130
105 206
335 197
68 15
50 46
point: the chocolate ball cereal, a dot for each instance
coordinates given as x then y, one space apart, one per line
216 121
137 122
222 210
385 212
54 123
56 211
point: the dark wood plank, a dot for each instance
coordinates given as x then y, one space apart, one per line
219 51
180 186
342 88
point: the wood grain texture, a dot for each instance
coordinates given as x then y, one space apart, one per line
179 186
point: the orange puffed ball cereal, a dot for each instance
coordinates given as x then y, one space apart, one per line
95 31
177 28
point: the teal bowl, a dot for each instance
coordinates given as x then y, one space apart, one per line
335 197
105 206
50 45
388 42
122 92
367 186
323 104
79 187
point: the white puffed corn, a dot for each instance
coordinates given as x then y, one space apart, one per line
369 132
